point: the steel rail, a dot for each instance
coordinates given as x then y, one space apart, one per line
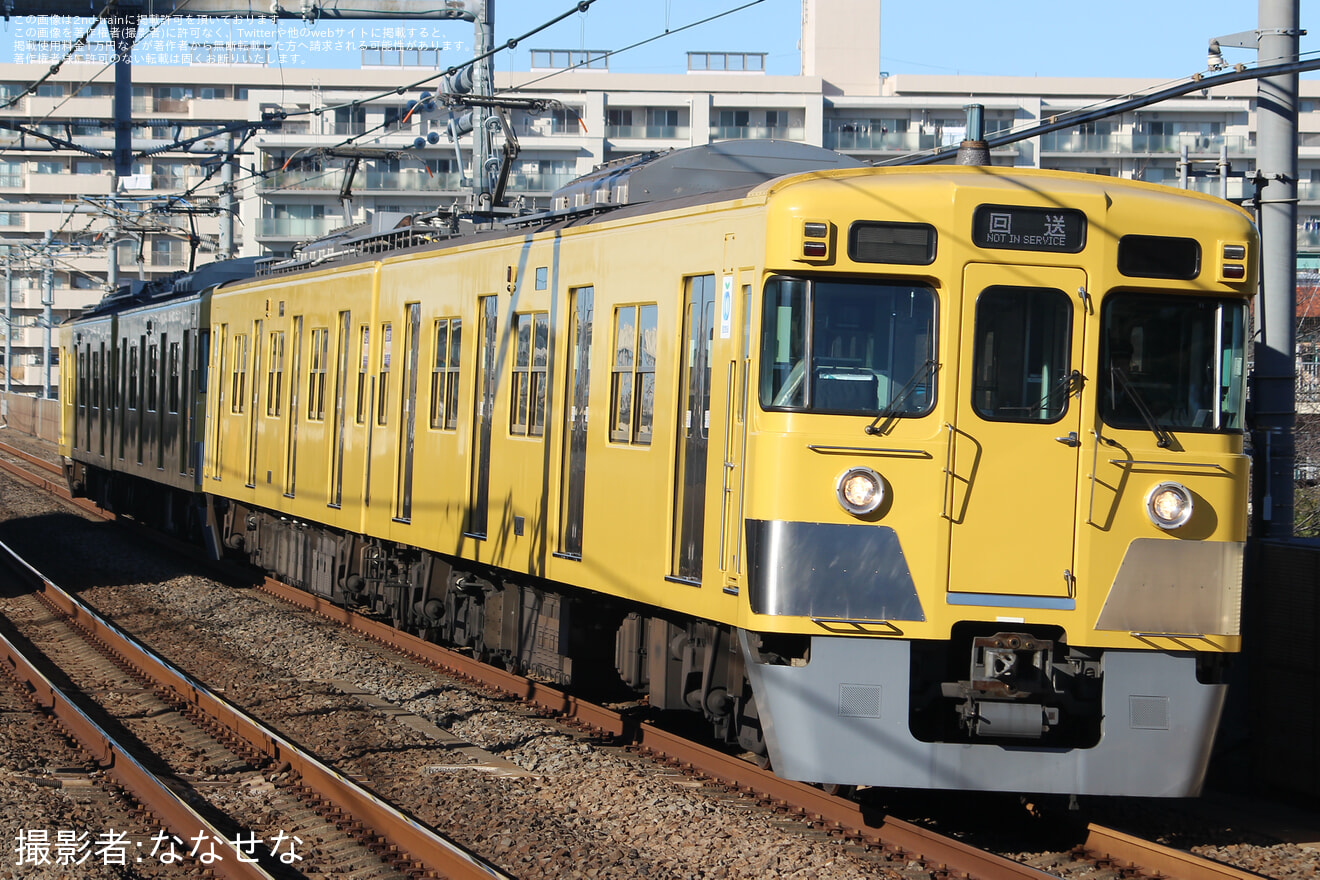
181 819
1156 859
598 718
850 817
413 837
55 487
727 769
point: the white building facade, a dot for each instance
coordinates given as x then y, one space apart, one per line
286 190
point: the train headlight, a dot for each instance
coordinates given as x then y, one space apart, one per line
860 490
1169 505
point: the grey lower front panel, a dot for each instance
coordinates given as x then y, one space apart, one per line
843 718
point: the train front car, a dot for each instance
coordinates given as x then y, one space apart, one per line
996 501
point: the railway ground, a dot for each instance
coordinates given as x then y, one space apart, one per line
568 783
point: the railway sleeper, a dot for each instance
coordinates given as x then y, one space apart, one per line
593 645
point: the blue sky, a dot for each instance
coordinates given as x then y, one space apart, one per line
1160 40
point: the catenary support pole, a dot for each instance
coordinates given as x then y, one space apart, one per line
1274 378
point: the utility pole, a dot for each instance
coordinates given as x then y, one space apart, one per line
47 296
227 201
1274 378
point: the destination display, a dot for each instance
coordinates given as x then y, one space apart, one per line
1012 227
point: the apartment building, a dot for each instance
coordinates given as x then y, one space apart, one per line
287 189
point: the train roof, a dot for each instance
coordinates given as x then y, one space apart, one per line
136 292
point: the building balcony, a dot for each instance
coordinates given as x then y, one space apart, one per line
539 183
757 132
648 132
1143 144
331 179
297 227
869 140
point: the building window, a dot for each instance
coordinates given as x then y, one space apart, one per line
444 375
316 374
632 384
527 410
561 59
753 62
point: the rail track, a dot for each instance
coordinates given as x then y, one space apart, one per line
897 841
174 730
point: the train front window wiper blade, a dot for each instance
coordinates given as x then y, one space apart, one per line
890 413
1163 438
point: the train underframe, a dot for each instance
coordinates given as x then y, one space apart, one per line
1016 710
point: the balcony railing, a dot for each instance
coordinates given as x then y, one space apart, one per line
650 132
1112 144
895 141
523 183
757 132
331 179
297 227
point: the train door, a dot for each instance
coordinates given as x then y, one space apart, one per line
693 428
735 317
343 357
572 493
488 337
1013 470
252 423
412 341
291 439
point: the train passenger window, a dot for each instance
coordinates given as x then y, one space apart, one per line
444 374
153 373
364 366
632 386
239 382
527 412
133 378
203 360
274 374
1021 362
1181 359
316 373
173 400
386 340
850 347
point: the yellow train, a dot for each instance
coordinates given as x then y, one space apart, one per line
923 477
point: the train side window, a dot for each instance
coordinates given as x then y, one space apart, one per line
444 374
275 374
133 378
173 399
1021 369
316 374
203 360
153 376
386 341
632 384
527 412
239 381
364 367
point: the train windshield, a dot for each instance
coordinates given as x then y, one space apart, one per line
1174 363
854 347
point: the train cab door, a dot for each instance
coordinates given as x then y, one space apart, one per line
1013 470
694 426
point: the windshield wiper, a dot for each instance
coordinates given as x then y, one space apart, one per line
1163 439
890 413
